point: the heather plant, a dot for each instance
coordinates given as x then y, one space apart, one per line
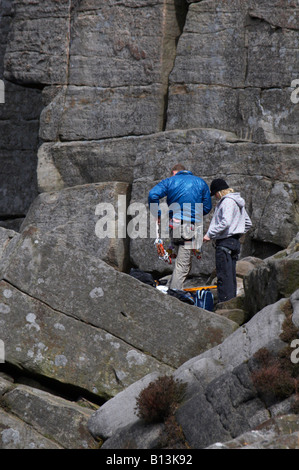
159 399
273 382
275 376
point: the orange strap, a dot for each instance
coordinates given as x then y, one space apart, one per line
192 289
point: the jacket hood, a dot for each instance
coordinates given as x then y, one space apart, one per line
236 197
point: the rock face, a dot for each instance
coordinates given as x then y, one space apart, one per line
19 127
221 401
102 98
245 52
208 84
73 214
134 42
276 277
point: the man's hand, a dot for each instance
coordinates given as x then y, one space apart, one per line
206 239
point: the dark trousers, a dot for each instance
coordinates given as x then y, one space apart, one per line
227 253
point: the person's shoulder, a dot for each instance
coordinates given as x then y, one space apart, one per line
227 202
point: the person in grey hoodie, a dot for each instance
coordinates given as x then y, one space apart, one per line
230 221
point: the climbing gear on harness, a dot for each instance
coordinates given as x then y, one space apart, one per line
194 242
197 253
223 248
162 253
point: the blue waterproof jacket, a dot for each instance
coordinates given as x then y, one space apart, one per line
186 190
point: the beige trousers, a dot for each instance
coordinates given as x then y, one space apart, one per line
181 268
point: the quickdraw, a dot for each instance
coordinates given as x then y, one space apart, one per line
197 254
162 253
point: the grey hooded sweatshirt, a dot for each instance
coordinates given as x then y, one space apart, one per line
230 217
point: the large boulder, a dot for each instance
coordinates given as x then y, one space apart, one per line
65 164
278 432
110 417
94 360
62 421
228 406
72 214
125 328
217 369
17 435
276 277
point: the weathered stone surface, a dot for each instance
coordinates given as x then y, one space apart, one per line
136 436
213 45
93 360
115 59
281 432
14 434
72 214
69 280
5 385
5 237
40 40
277 276
217 363
228 407
262 330
208 152
234 303
119 411
245 265
68 164
123 44
276 13
92 113
237 315
234 67
60 420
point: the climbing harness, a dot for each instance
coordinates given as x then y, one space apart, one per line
167 254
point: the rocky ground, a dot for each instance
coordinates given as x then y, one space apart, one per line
71 377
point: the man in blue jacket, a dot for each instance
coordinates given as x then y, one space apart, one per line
184 192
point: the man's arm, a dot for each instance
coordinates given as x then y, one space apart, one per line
156 193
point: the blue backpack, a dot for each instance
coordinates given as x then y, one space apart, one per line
204 299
